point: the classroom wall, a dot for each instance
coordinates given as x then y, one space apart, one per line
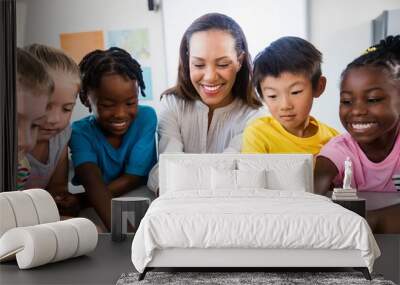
341 30
262 22
41 21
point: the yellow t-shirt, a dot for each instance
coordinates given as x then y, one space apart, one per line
266 135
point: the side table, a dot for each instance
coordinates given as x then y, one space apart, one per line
121 205
356 205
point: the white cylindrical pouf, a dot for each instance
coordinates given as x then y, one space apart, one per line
87 234
34 246
23 208
7 218
45 205
40 244
67 239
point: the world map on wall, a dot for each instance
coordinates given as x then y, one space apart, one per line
136 42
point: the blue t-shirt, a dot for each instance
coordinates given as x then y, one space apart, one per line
136 154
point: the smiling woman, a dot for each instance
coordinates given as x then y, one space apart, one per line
213 64
209 107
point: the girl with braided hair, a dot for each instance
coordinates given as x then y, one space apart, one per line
370 112
114 149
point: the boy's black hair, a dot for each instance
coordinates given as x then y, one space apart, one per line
288 54
385 55
101 62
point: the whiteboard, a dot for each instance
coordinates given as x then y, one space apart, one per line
262 21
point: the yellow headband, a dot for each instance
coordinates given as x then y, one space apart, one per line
370 49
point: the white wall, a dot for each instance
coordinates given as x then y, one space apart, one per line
46 19
262 21
394 22
341 30
21 22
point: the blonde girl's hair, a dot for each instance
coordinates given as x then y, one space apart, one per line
55 59
32 74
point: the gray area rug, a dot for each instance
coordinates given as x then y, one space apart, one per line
273 278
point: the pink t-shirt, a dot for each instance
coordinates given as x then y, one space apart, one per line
367 175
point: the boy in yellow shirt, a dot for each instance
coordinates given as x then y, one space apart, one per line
288 77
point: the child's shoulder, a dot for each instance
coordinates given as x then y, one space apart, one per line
267 125
342 141
325 128
146 113
261 122
146 109
83 125
61 138
263 125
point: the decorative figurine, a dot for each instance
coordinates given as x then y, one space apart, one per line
346 192
348 173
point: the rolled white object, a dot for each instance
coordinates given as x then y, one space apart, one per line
40 244
87 235
66 237
7 218
32 246
45 205
23 208
26 208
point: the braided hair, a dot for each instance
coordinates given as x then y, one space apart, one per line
98 63
385 55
